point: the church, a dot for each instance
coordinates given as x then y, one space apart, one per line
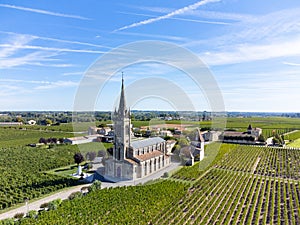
133 158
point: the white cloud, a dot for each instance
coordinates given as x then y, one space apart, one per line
201 13
40 11
291 64
16 51
32 37
34 58
167 37
153 9
169 15
253 52
14 43
57 84
180 19
73 73
33 47
274 35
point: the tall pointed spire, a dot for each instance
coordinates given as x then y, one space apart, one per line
122 104
121 128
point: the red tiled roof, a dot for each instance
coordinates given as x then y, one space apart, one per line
150 155
131 161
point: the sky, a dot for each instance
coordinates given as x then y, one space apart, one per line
251 48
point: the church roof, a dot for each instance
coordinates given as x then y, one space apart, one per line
146 142
149 155
131 161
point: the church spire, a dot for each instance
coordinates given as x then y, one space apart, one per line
122 104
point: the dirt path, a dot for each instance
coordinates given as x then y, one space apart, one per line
35 205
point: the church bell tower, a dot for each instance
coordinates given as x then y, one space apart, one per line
121 119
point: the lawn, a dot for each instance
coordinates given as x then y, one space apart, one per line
295 144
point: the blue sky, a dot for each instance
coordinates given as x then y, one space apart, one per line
251 47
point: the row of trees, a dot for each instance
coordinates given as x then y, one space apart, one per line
51 140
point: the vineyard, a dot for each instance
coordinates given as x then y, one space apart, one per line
214 152
241 185
250 185
122 205
227 197
22 172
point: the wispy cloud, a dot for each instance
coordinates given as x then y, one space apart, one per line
73 73
169 15
57 84
17 51
291 64
253 52
166 37
40 11
14 43
207 14
273 35
180 19
32 37
12 86
33 47
34 58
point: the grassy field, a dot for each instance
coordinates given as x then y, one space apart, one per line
295 144
262 122
14 136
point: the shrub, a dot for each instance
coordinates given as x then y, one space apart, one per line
95 186
44 205
54 204
166 175
19 215
32 214
74 195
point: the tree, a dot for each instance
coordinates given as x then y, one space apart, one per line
261 138
90 156
183 142
95 186
281 141
43 140
101 153
44 205
74 195
54 204
48 122
78 158
32 214
19 215
275 141
61 140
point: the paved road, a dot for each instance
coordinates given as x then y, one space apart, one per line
35 205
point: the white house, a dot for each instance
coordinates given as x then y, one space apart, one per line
31 122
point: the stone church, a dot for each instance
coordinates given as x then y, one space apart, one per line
133 158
